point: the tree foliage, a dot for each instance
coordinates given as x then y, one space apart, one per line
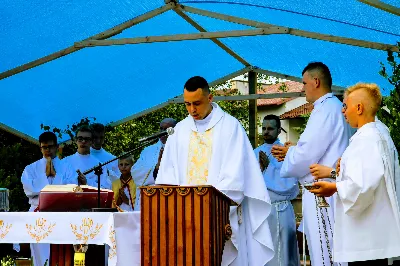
15 154
391 117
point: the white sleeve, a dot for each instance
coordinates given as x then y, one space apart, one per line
69 175
32 181
311 146
362 173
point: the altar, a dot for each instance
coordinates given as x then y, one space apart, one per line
120 231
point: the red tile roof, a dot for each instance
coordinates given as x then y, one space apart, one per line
288 86
298 111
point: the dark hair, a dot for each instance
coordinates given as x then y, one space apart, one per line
97 127
323 72
84 128
274 117
48 136
197 82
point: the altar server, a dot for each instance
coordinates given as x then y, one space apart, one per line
47 171
82 160
367 224
145 170
100 153
124 188
282 221
323 141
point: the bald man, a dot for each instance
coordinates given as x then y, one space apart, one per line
367 218
145 170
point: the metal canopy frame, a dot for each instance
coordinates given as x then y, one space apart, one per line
383 6
260 28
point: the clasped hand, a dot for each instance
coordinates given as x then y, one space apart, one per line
279 152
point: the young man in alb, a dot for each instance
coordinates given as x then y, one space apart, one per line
367 218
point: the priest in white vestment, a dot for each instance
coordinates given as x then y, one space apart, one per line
211 147
47 171
100 153
282 220
82 160
145 169
323 141
367 224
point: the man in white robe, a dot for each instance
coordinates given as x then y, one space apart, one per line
367 224
47 171
282 220
145 169
211 147
100 153
321 171
82 160
323 141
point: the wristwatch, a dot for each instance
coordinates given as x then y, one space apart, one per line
333 174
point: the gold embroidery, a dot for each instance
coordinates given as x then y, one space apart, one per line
200 151
4 229
113 248
86 230
40 230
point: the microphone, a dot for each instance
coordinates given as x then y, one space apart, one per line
169 131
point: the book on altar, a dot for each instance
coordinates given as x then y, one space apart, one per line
73 198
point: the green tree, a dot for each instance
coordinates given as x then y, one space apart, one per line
391 117
15 154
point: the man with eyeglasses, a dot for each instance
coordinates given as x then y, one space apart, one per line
82 160
48 170
100 153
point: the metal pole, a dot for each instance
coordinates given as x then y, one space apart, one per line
253 132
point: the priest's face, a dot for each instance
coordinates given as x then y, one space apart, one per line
198 103
48 149
350 111
310 86
84 141
98 140
270 131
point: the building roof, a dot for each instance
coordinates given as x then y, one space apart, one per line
287 86
298 111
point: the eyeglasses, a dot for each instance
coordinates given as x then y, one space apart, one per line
82 139
48 147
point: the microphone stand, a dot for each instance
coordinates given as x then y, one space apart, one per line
98 170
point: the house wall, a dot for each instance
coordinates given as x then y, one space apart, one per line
241 86
287 124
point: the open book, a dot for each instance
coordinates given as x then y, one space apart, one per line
73 198
71 188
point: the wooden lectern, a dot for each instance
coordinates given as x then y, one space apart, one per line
182 225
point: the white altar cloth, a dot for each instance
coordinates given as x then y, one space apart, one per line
121 231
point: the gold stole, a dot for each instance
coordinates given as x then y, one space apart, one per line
200 151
